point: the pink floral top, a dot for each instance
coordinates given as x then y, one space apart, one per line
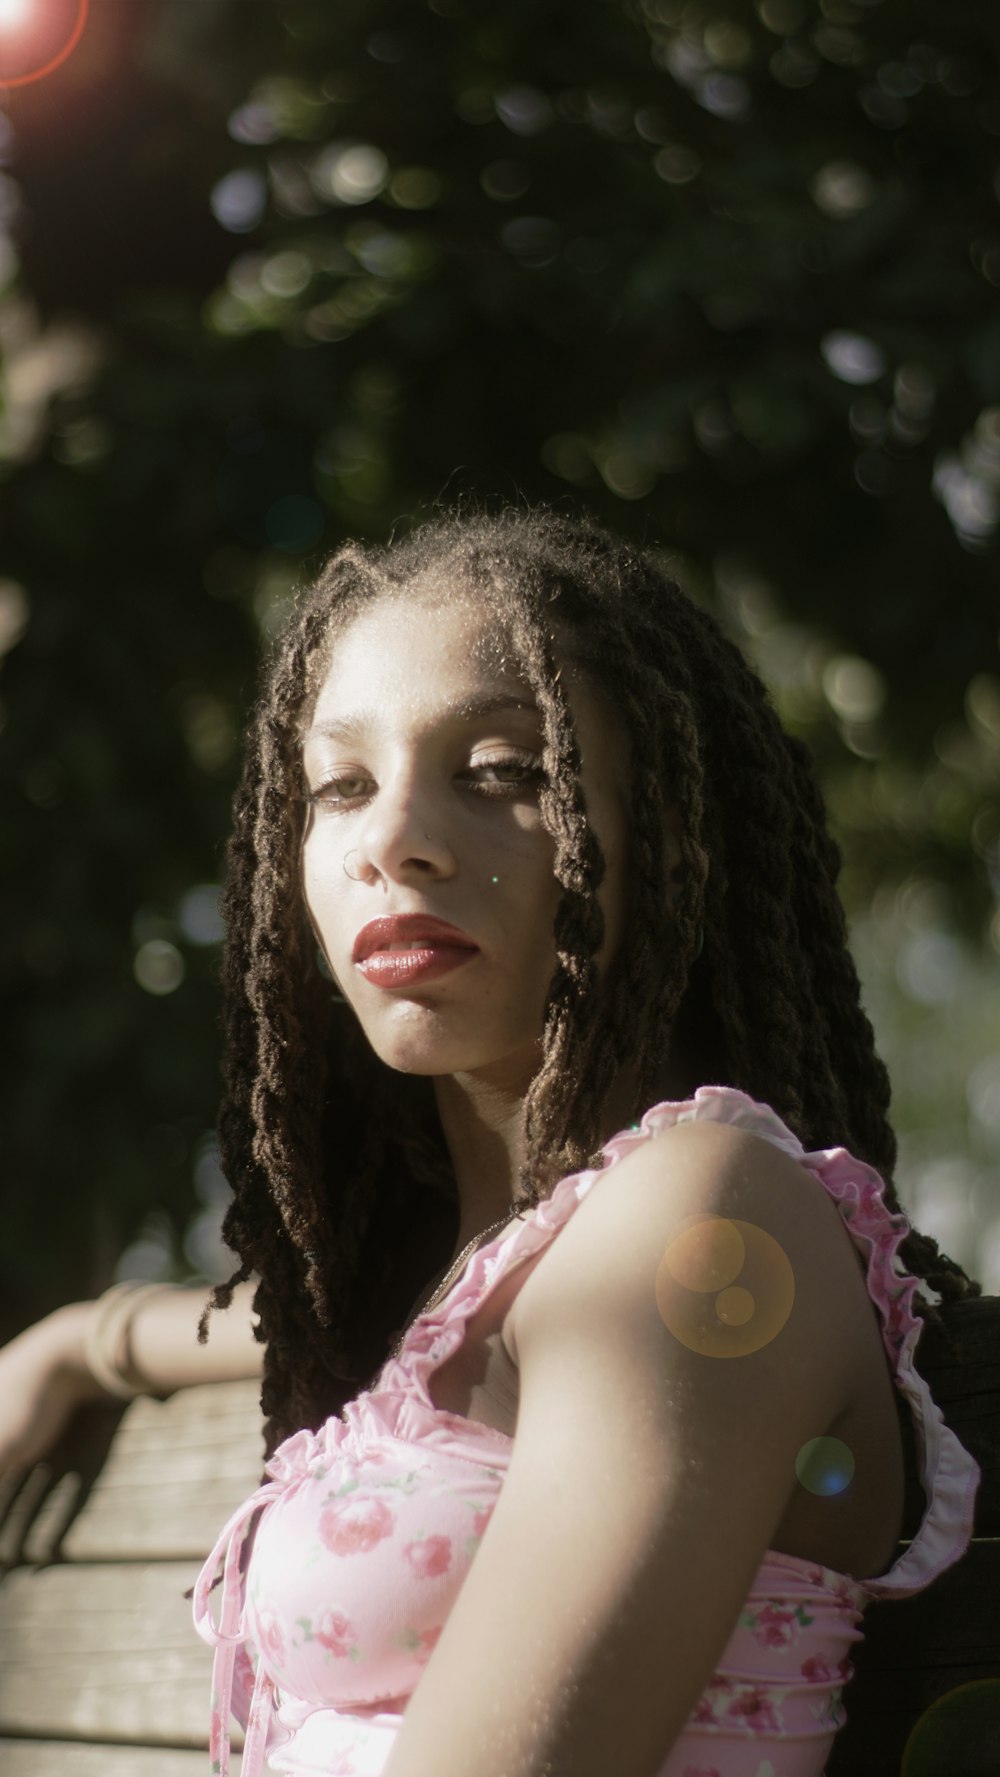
366 1529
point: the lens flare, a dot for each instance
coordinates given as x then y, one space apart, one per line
824 1466
724 1288
13 13
19 22
959 1733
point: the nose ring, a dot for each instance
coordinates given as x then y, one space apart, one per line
347 873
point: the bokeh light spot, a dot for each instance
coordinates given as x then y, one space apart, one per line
149 1257
854 688
524 110
238 200
199 916
841 189
677 164
14 614
824 1466
960 1732
706 1256
350 172
724 1288
286 274
852 357
158 966
415 188
734 1306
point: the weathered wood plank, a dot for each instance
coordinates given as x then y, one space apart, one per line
103 1653
62 1758
80 1453
164 1487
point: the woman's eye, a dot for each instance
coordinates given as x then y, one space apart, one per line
335 791
512 772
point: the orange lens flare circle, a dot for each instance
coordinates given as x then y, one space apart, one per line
959 1733
56 61
724 1288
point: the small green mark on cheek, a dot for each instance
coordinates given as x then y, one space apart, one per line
494 879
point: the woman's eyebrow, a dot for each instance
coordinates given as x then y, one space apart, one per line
464 709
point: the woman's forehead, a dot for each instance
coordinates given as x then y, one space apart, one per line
435 648
443 654
464 622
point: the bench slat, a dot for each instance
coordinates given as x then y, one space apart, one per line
173 1473
103 1653
61 1758
176 1470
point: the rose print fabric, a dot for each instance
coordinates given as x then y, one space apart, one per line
340 1571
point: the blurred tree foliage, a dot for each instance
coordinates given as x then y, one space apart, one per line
280 272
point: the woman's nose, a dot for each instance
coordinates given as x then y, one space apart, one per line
402 836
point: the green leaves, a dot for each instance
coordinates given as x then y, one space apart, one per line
726 272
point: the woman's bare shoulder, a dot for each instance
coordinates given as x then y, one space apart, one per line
679 1342
727 1230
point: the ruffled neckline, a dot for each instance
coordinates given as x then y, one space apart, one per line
948 1474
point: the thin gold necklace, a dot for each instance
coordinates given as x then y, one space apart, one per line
442 1288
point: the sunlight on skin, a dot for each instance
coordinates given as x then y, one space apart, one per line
699 1298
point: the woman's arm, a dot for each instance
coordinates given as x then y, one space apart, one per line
161 1341
44 1374
648 1476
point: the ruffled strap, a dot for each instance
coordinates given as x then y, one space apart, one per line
229 1635
949 1476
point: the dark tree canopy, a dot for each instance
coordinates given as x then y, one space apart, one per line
726 273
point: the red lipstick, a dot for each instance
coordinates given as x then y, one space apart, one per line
425 949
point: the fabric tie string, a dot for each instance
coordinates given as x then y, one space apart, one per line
230 1634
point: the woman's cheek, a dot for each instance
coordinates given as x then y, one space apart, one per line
319 894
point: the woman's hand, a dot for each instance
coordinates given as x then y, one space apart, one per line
43 1379
44 1373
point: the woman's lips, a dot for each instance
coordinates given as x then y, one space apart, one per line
403 949
423 961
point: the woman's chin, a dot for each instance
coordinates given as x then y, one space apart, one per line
409 1049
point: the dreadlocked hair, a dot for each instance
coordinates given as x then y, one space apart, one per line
343 1194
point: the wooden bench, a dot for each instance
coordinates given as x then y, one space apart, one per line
101 1674
945 1643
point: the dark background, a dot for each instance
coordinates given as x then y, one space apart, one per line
277 273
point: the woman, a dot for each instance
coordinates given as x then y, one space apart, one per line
533 932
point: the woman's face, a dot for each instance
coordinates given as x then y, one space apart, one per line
422 761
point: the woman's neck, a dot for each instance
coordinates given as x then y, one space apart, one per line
483 1126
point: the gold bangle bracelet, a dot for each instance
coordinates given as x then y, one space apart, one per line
113 1313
